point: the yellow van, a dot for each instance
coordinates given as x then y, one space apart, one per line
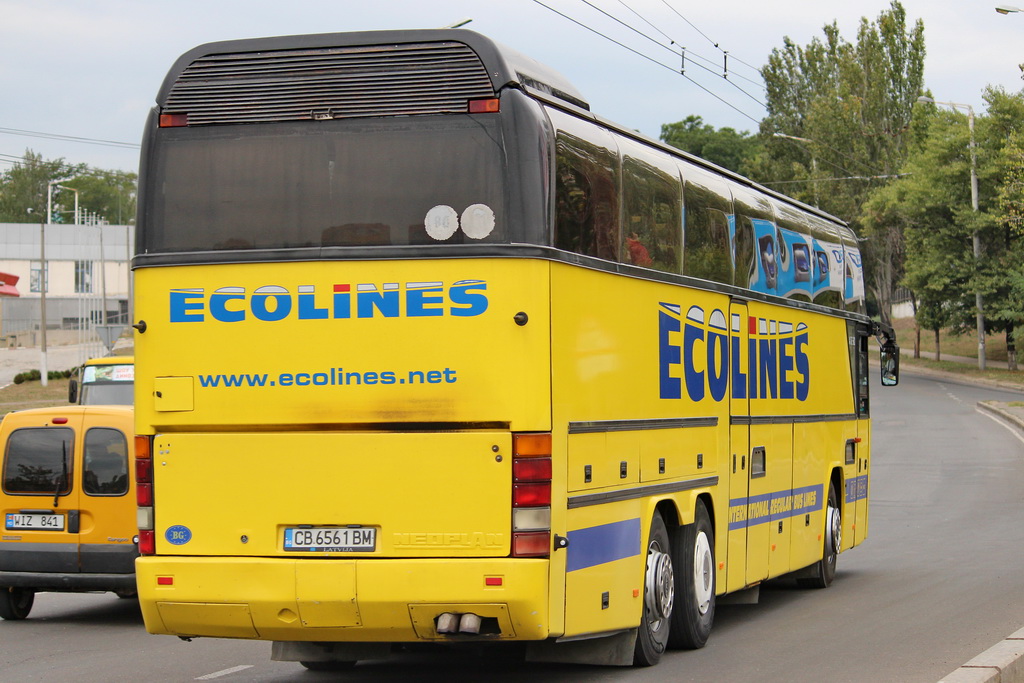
68 503
103 381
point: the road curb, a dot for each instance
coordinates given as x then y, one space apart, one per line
1006 415
1001 663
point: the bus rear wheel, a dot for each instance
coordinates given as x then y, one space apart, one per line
694 553
825 570
16 603
659 596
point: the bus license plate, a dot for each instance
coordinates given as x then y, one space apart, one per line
328 539
34 521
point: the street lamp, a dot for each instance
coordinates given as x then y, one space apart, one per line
1006 9
975 237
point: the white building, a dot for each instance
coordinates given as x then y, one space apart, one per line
87 269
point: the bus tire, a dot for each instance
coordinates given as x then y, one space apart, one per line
824 571
694 553
659 596
329 666
16 603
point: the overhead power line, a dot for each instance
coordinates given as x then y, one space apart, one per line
69 138
648 58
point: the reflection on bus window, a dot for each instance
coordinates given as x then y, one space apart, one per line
652 230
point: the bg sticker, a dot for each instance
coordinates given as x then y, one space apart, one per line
178 535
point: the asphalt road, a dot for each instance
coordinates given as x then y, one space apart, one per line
939 580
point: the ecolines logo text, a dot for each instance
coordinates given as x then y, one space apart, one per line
774 363
272 303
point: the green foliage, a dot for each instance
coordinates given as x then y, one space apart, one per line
24 191
724 146
852 103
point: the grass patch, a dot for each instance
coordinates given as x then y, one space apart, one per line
965 344
33 395
968 371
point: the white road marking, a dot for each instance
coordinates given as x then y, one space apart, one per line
1013 430
224 672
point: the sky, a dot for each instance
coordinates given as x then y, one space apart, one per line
88 70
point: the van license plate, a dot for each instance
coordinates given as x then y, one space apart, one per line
326 539
34 521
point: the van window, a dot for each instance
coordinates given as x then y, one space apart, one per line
38 460
106 462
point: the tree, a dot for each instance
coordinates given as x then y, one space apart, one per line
853 104
724 146
108 194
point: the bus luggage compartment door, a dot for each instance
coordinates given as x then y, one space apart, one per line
334 494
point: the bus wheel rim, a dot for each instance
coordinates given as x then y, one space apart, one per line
703 572
660 588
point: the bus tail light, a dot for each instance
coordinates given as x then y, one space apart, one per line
144 494
531 495
173 120
491 105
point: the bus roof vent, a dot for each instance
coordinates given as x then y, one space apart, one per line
329 83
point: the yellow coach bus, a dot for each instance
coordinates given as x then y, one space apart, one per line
429 353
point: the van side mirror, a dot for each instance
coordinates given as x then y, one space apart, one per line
890 356
72 390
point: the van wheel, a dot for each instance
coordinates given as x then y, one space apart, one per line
328 666
16 603
694 553
825 570
659 597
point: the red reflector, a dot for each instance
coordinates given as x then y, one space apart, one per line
173 120
165 580
531 544
488 106
144 495
526 445
144 471
531 495
532 469
493 581
60 420
147 542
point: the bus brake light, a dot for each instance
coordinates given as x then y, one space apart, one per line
491 105
173 120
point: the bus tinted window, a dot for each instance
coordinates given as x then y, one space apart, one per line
333 183
708 252
755 215
652 221
586 188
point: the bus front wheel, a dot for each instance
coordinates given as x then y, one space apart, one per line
16 603
694 553
659 596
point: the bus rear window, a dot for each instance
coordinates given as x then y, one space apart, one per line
354 182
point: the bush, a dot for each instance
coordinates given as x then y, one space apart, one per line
19 378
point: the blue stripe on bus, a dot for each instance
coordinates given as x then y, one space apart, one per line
601 544
857 488
767 507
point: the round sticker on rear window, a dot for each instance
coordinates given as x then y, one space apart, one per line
441 222
178 535
478 221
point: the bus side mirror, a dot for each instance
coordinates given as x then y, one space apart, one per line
890 365
72 391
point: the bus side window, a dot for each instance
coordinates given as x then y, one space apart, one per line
652 226
586 197
743 252
708 253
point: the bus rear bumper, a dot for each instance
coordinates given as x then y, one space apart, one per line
342 600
